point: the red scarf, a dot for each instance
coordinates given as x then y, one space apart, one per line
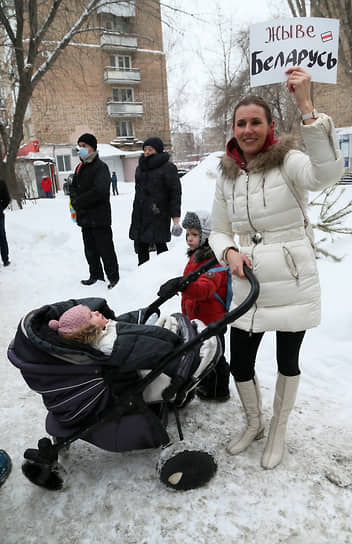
233 150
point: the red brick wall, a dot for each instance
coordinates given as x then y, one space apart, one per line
335 100
72 97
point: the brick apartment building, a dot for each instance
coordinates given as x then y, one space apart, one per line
111 82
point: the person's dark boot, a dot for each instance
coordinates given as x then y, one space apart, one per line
215 386
113 283
217 396
7 263
91 281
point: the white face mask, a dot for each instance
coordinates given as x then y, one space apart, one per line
83 152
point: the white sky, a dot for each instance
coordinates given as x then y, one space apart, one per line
194 33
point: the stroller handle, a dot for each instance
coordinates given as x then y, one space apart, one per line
192 276
214 328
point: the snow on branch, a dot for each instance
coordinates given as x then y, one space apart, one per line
63 43
332 217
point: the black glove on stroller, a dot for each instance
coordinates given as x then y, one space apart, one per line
170 287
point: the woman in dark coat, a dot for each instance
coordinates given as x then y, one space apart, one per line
157 200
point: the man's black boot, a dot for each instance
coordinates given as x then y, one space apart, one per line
91 280
113 283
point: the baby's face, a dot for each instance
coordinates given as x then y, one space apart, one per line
98 319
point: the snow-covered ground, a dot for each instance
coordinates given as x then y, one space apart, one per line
117 498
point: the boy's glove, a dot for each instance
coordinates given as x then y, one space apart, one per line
176 230
170 287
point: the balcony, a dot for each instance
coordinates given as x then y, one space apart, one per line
125 109
110 41
121 76
120 9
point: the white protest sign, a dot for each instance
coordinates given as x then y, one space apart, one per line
309 42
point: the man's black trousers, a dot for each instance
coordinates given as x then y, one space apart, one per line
99 246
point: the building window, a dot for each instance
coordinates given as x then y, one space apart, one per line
124 128
122 95
123 62
63 163
117 24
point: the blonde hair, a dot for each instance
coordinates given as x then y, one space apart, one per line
85 334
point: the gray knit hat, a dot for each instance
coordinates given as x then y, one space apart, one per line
200 220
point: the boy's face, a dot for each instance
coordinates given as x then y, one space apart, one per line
192 238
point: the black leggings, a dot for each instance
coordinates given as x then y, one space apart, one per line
244 347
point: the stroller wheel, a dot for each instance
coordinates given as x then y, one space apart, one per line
187 469
43 475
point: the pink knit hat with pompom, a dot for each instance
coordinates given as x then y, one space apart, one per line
71 320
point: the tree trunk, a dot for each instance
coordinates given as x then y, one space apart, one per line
15 186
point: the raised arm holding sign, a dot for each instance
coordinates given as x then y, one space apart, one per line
298 82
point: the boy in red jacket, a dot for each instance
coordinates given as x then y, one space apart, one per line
199 302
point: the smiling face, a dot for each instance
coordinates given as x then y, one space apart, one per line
251 129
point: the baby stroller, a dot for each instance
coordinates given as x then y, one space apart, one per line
120 402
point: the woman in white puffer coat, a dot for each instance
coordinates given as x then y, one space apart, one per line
259 219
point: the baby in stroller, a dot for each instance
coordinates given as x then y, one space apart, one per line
111 381
81 324
116 389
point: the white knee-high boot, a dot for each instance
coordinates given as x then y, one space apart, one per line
285 396
251 399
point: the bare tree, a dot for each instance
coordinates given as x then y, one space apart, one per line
299 8
331 219
222 67
33 35
26 26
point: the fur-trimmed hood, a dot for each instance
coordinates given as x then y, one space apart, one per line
271 158
202 253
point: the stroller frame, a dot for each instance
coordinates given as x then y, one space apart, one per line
41 464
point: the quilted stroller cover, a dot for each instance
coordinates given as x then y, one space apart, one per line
78 383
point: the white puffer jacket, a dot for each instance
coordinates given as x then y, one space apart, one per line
260 201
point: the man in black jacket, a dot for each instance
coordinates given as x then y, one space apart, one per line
90 197
4 202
